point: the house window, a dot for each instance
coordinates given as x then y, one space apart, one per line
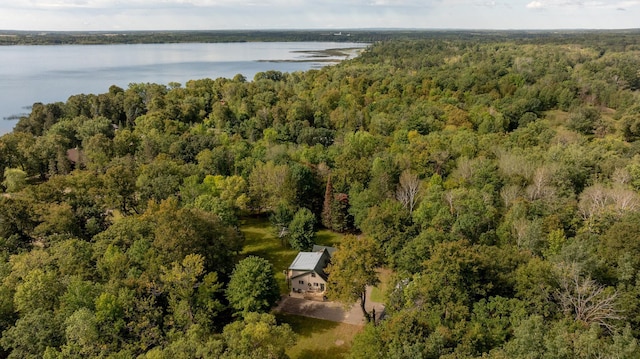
313 275
315 284
300 282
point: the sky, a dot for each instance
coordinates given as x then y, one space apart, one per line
122 15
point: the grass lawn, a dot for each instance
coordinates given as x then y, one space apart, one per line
377 293
319 339
328 238
261 242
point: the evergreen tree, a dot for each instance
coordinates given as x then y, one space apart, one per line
341 220
326 206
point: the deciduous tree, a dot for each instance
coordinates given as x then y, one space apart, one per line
408 192
280 219
252 287
302 230
32 334
257 336
353 268
585 300
182 282
14 179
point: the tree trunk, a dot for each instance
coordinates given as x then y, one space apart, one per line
363 298
373 315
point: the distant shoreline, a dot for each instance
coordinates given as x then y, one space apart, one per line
9 37
14 37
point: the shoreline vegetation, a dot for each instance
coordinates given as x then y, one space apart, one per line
13 37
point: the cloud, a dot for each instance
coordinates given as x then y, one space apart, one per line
121 4
611 4
281 14
59 4
412 8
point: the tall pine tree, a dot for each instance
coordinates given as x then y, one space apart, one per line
327 218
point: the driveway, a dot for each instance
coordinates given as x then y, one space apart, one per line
332 311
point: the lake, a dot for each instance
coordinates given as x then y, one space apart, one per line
47 74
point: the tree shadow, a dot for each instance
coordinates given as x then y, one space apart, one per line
329 353
305 326
319 338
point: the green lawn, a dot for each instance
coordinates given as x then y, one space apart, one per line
328 238
260 241
319 339
378 292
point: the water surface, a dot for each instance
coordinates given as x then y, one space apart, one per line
47 74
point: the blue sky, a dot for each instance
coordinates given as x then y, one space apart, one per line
316 14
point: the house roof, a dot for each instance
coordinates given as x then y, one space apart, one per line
311 262
317 248
306 261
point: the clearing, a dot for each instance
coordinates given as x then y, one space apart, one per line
317 338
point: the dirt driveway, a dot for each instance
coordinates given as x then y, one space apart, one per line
332 311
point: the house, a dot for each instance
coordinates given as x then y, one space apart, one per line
306 273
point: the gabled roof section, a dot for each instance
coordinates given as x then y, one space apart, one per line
307 261
317 248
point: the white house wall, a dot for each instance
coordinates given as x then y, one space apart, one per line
309 283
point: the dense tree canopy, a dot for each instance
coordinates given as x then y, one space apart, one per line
495 175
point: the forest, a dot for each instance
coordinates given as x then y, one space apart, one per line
13 37
202 36
496 177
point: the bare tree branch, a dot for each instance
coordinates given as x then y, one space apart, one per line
408 191
586 300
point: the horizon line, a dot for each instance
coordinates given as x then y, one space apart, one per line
327 29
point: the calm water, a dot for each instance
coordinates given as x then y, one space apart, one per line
47 74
